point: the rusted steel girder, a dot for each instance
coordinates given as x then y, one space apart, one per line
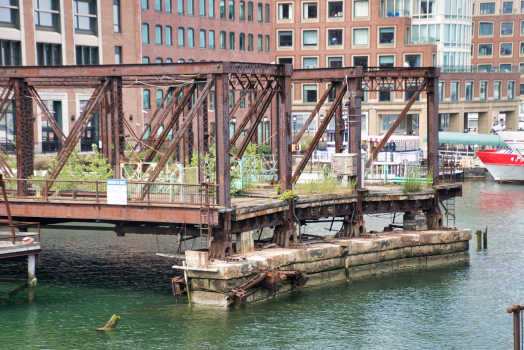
77 131
391 130
141 70
284 132
320 131
47 114
176 138
23 109
433 126
354 126
223 177
313 113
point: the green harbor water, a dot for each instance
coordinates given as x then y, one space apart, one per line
87 276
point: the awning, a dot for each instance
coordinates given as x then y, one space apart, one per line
459 138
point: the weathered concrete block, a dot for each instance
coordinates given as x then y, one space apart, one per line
436 260
392 254
410 239
323 251
198 283
384 267
244 242
368 258
363 270
410 263
458 257
430 237
196 258
338 275
208 299
422 250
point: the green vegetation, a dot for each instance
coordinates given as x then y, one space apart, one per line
324 186
288 194
264 149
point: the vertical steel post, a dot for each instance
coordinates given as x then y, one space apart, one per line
23 109
273 126
117 114
284 131
355 121
432 107
222 138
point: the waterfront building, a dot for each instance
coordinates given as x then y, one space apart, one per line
68 32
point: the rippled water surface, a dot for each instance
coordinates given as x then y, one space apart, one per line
85 277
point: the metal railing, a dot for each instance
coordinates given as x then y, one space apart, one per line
19 238
448 172
96 191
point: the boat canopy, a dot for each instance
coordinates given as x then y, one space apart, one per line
459 138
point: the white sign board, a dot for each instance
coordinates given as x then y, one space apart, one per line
116 191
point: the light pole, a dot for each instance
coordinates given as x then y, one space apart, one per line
294 123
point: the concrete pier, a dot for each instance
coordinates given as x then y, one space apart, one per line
324 262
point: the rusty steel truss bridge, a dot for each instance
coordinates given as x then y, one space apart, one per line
205 209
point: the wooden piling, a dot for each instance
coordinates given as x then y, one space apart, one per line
31 279
479 239
110 324
486 238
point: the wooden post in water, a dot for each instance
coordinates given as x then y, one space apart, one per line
31 279
486 238
479 239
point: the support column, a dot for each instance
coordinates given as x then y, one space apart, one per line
23 109
339 122
117 116
222 140
284 132
31 279
432 102
355 125
273 126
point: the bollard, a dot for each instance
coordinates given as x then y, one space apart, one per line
479 239
486 238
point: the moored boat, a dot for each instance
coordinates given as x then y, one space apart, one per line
503 165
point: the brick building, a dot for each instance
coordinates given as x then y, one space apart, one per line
51 32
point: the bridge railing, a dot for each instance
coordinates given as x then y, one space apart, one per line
96 191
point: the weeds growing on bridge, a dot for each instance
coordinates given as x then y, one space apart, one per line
324 186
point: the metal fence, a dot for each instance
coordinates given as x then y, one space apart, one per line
96 191
448 172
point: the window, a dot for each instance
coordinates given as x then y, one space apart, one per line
180 6
169 36
285 60
506 28
389 120
335 37
231 9
181 37
413 60
85 16
267 43
260 133
118 54
167 6
9 13
190 8
116 15
506 49
485 28
266 6
145 33
335 62
469 91
310 38
190 37
211 10
202 8
309 62
223 9
242 42
259 43
181 60
222 40
444 121
385 94
159 98
260 13
522 26
360 61
335 9
169 60
521 68
360 36
483 90
231 130
145 5
441 91
484 68
48 54
361 8
242 11
506 68
285 11
285 38
232 41
202 39
158 60
454 91
250 42
10 53
309 93
212 39
147 100
310 10
521 48
386 35
507 7
86 55
145 60
522 93
158 5
266 127
511 90
211 100
487 8
250 11
386 61
496 90
485 49
158 35
47 15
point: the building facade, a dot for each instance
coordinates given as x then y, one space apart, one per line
69 32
